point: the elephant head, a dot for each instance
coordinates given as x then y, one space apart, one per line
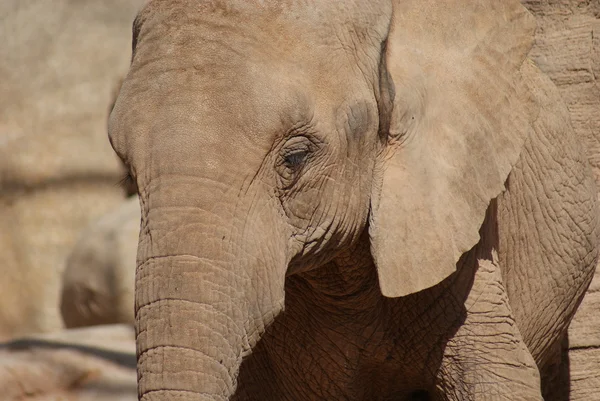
266 138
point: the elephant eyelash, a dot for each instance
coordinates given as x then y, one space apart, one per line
125 180
294 157
290 165
128 183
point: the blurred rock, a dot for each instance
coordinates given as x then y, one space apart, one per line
99 278
60 63
91 364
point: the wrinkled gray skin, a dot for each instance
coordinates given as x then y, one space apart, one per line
350 201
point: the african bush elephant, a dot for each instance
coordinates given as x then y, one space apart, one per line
350 200
98 281
567 49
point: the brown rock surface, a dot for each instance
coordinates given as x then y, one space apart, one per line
60 62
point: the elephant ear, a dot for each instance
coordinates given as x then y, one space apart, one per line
456 128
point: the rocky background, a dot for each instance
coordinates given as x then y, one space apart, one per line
61 62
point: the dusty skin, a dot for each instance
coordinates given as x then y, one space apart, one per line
350 201
405 348
567 48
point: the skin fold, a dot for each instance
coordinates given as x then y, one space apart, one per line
350 201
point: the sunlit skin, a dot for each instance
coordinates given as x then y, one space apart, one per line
349 201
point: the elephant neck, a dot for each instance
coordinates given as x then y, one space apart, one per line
345 286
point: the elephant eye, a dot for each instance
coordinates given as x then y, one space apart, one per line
295 159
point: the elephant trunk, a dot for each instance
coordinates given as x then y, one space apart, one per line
202 301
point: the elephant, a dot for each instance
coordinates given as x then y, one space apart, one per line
351 200
98 281
568 50
59 62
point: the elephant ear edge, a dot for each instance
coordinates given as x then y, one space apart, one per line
457 126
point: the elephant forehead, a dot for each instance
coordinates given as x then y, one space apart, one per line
317 18
308 35
203 79
199 119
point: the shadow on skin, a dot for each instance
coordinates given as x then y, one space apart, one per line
339 338
302 356
558 385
